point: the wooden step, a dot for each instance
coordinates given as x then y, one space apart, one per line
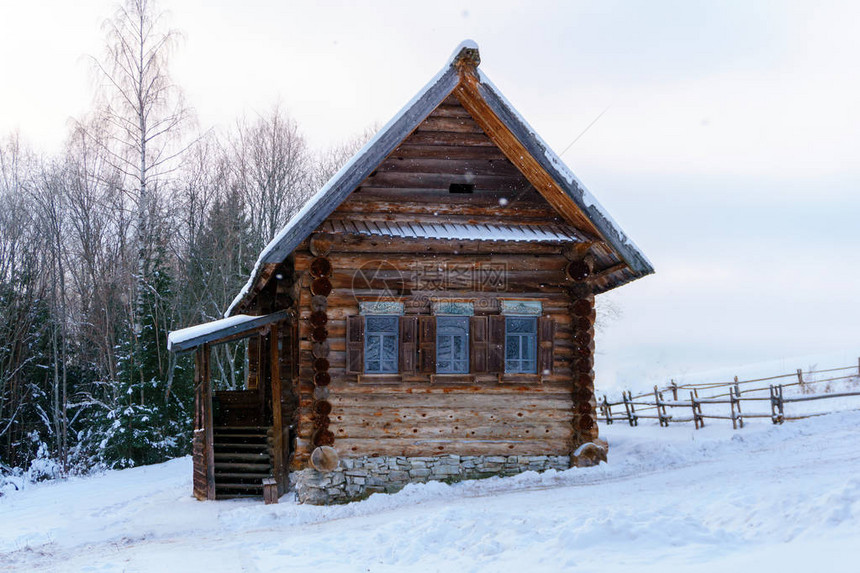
239 467
237 495
242 429
241 446
259 476
239 486
233 436
253 457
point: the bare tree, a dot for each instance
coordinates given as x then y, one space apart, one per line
271 167
330 160
22 292
96 229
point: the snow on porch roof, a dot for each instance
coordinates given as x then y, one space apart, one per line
219 330
456 231
362 164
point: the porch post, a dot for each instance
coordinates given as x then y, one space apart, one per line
203 451
208 422
277 416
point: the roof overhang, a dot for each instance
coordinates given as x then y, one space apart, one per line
221 331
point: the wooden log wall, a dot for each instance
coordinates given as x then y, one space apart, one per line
415 414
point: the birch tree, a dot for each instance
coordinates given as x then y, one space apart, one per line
145 112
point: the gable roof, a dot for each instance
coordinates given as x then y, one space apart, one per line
516 138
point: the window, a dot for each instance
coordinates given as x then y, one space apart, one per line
520 345
380 344
452 345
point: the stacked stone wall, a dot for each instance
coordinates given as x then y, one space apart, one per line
356 478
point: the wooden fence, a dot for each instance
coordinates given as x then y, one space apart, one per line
737 395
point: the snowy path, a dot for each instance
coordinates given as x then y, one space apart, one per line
784 498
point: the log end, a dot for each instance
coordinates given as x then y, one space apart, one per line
324 459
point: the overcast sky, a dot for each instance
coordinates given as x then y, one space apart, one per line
729 150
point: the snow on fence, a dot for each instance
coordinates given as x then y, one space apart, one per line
737 402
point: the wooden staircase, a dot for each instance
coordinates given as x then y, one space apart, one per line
243 459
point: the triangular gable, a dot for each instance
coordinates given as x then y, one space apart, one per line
508 130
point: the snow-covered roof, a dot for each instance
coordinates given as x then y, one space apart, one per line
193 336
368 158
456 231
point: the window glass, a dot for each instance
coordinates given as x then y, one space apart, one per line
380 344
520 345
452 344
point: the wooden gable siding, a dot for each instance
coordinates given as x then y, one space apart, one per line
448 147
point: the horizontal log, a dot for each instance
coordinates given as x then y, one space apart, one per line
409 150
455 431
450 166
345 263
425 137
352 447
441 181
357 415
554 301
375 202
446 284
463 124
446 110
525 402
551 388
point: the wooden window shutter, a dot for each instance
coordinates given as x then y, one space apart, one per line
355 344
496 344
408 343
427 344
546 340
478 337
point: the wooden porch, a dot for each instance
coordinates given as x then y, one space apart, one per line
241 442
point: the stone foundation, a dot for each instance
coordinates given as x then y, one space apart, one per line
356 478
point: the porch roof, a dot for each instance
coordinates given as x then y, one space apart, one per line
222 330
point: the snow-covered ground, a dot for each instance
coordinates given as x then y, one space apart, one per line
769 498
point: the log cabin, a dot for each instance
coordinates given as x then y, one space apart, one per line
428 314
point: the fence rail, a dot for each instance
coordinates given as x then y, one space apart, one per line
653 405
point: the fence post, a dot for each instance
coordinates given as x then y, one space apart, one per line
675 386
773 405
657 404
777 406
627 407
800 380
698 420
607 410
738 395
666 415
732 403
781 405
633 415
